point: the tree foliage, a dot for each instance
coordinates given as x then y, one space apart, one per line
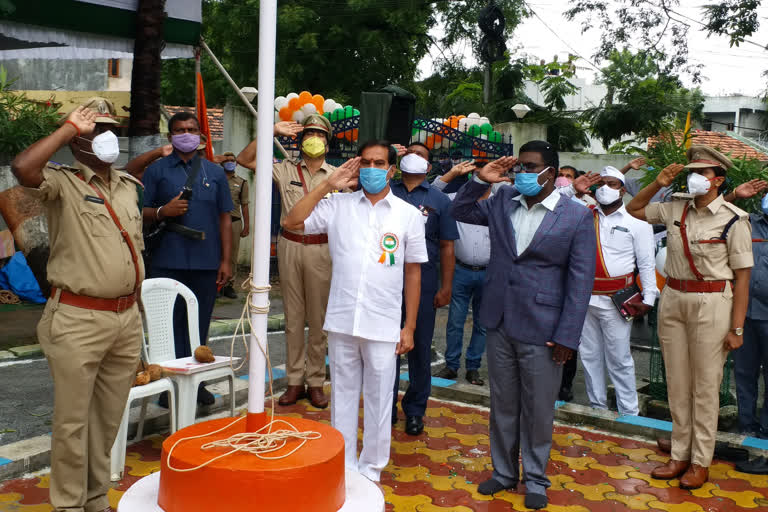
337 48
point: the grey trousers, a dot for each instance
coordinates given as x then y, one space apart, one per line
524 383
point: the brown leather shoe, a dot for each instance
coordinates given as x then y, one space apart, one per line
292 394
695 477
665 445
672 469
316 397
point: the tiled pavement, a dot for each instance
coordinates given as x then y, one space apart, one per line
439 472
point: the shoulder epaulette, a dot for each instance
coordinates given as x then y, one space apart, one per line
735 209
129 177
61 167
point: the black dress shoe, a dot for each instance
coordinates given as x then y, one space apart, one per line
447 373
565 395
758 466
414 425
535 501
229 292
163 401
205 397
492 486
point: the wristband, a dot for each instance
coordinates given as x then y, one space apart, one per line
157 213
73 124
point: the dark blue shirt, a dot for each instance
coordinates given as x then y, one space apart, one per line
440 224
758 282
163 180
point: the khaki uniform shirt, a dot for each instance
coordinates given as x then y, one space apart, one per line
88 253
238 189
285 174
714 261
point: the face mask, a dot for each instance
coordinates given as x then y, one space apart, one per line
229 166
698 185
373 179
105 147
413 164
764 204
527 183
606 195
313 147
185 142
562 181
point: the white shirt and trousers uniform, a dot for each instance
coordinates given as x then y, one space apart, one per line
369 246
624 241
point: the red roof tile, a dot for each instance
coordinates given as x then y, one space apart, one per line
721 142
215 118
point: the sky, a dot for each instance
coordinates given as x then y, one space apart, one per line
726 70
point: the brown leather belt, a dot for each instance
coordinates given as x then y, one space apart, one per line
117 305
691 285
473 268
611 285
305 239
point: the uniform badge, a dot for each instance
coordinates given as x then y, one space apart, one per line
389 244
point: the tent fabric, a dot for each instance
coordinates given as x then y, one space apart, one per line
18 277
374 115
76 45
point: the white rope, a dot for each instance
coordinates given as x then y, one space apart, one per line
256 443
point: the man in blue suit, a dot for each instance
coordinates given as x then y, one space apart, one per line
537 289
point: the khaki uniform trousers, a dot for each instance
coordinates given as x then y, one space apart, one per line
692 331
93 357
305 280
237 227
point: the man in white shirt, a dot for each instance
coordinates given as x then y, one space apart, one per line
473 251
377 246
622 242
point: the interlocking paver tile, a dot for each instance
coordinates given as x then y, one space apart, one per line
439 471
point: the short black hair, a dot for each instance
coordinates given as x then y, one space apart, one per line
575 170
429 151
545 149
181 116
374 143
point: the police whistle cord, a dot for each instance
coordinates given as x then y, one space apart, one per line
265 440
8 297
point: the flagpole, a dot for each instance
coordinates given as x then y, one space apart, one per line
263 205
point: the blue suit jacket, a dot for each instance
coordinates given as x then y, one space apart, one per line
542 294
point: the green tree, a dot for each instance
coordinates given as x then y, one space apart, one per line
642 99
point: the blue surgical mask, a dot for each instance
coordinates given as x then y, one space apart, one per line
527 183
229 166
764 204
373 180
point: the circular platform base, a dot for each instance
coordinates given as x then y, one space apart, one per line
362 494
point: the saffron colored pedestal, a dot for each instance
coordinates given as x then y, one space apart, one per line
310 480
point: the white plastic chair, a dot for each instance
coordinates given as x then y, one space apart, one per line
158 297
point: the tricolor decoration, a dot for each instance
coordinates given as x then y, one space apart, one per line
389 244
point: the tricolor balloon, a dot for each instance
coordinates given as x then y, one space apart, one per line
297 106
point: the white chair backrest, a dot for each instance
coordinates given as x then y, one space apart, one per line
158 297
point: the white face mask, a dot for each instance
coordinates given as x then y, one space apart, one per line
105 147
698 185
606 195
413 164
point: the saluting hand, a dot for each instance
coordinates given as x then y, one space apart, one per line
750 188
495 172
175 207
560 353
400 149
637 163
84 119
668 174
460 169
166 150
582 183
287 129
346 175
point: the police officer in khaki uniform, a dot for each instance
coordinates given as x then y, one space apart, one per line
238 189
91 329
304 262
703 305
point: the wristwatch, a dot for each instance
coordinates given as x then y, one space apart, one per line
738 331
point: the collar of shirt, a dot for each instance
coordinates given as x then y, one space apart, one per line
175 159
620 212
548 202
424 184
387 199
88 174
323 167
713 206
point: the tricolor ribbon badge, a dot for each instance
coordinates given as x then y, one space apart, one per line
389 244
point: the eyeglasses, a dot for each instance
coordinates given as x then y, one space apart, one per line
518 168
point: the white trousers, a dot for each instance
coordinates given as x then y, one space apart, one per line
605 345
358 364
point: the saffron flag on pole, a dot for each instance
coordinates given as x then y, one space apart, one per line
687 131
202 115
